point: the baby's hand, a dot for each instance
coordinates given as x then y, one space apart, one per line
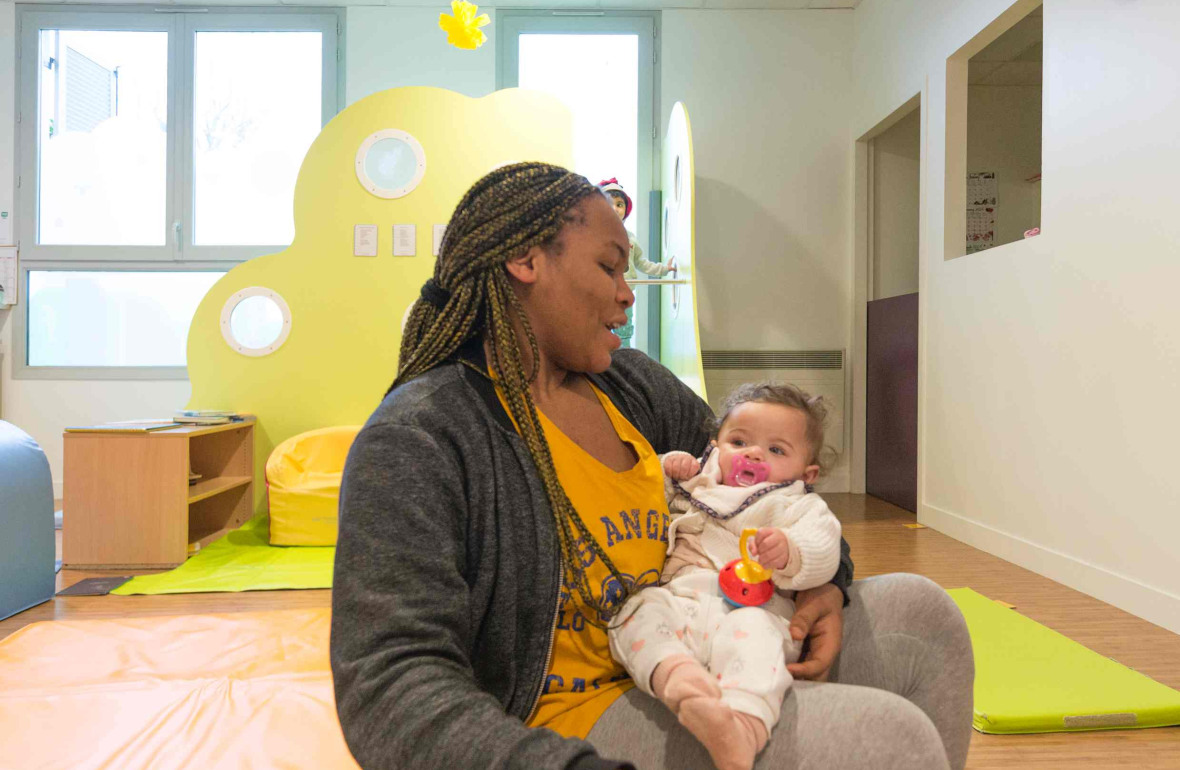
772 548
681 466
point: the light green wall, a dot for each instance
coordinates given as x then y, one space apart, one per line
390 47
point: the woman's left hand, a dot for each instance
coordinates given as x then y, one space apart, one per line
819 617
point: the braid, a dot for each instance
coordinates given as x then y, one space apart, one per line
503 215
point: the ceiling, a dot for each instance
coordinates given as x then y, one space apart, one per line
1014 59
558 4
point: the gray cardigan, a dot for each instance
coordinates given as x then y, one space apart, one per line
447 571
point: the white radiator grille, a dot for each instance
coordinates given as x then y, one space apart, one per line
772 359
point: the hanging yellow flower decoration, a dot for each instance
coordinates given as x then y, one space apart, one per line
463 28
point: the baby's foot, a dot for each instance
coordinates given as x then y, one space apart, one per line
733 739
680 678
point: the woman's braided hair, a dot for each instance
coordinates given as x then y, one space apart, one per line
501 217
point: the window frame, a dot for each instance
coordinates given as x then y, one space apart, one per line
510 24
181 24
329 25
30 23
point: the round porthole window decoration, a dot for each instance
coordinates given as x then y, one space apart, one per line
255 321
390 163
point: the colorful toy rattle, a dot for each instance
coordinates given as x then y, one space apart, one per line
745 582
744 472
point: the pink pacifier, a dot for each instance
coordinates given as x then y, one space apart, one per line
744 472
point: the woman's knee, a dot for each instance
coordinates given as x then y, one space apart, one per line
902 735
916 606
854 728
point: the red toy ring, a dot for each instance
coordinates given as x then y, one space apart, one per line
744 582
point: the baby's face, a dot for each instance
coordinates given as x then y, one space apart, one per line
768 433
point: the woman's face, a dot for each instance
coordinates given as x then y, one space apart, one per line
575 296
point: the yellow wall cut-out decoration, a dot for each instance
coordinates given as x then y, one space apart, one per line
346 311
463 27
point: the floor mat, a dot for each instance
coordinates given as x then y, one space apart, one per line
243 560
249 689
1031 679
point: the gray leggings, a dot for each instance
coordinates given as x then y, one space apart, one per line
899 695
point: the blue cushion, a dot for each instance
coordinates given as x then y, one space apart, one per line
26 523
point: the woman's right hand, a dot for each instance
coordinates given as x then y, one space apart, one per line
681 466
818 618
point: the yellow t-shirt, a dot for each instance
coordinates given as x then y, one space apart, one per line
627 514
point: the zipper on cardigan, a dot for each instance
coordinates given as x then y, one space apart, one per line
552 636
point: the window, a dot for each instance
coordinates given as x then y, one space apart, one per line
597 77
994 92
602 67
257 106
101 127
112 318
168 139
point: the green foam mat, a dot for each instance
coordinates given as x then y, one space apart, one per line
243 560
1031 679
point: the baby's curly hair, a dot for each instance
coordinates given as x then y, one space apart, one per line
795 398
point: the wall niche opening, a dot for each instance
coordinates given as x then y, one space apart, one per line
1003 137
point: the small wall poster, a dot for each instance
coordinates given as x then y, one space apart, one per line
405 240
981 211
364 240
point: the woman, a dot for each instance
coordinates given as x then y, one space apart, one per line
505 499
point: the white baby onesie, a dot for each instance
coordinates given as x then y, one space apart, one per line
746 648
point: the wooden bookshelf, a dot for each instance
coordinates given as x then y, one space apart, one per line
128 503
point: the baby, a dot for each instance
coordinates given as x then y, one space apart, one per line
722 668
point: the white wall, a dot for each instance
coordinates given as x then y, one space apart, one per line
1048 367
7 113
767 95
896 162
7 132
1004 136
768 101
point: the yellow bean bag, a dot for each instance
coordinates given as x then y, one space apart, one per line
303 485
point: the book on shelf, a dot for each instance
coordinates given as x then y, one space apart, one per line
205 417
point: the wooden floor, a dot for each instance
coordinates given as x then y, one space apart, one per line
880 543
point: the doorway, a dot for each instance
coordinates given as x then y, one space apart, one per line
891 311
